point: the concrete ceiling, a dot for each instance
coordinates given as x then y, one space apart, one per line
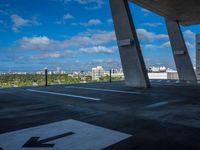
187 12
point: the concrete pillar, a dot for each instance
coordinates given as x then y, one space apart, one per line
198 56
134 69
182 59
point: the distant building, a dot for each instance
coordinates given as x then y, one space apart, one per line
97 72
158 75
172 74
168 74
115 73
157 69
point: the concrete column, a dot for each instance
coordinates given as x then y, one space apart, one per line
182 59
131 57
198 56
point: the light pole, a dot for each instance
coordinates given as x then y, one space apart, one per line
110 75
46 76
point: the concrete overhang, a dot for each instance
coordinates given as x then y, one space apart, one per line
187 12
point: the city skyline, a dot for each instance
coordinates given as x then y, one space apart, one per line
58 70
77 35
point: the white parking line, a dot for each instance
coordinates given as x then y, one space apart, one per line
62 94
157 104
104 90
163 103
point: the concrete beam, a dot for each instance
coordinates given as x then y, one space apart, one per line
185 11
182 59
131 57
198 56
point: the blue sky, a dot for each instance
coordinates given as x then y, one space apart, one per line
77 35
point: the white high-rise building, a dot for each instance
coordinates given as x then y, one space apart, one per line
97 72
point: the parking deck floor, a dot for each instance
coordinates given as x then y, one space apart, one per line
166 116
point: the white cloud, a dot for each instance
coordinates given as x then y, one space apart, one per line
189 34
93 38
96 4
90 32
19 22
190 38
165 45
155 24
91 22
54 49
98 50
153 46
69 53
64 18
189 45
54 55
145 10
68 16
145 35
88 4
39 43
89 38
90 42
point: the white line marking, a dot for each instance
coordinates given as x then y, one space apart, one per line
104 90
157 104
62 94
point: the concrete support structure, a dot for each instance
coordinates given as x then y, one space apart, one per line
198 56
131 57
182 59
